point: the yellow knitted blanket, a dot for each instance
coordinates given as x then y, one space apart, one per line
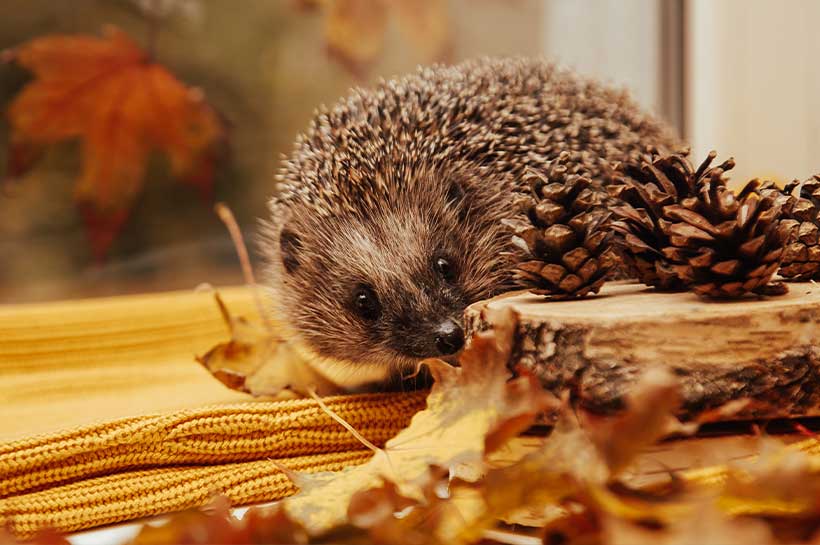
151 431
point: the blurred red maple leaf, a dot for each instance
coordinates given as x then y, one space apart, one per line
122 105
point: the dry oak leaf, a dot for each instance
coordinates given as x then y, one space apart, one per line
648 416
122 105
217 525
374 510
704 523
355 29
255 361
471 410
779 481
537 483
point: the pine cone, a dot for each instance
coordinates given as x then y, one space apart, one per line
564 235
643 190
727 245
801 259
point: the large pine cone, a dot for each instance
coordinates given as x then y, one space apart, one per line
726 245
563 235
801 260
644 189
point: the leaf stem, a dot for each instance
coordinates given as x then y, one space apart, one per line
362 439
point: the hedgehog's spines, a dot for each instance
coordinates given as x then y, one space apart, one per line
481 111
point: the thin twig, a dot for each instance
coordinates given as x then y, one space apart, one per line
229 220
510 538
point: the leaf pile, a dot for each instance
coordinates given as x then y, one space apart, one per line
454 476
122 105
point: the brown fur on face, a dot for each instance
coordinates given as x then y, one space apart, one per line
391 248
422 166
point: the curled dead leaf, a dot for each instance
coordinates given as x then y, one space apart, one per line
648 415
705 523
354 32
780 481
355 29
216 524
254 360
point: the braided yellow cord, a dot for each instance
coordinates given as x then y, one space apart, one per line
144 466
204 436
136 494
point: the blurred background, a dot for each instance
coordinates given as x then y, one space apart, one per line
95 201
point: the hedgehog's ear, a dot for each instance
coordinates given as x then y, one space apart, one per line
457 198
290 245
455 193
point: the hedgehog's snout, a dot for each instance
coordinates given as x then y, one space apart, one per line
448 338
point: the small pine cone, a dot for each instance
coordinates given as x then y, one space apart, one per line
564 238
641 191
727 245
801 259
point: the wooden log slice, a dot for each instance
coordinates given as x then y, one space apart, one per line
764 350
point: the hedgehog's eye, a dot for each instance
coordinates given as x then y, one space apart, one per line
445 269
366 303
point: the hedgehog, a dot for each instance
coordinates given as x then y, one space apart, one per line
387 221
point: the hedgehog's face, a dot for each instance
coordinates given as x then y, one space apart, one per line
371 293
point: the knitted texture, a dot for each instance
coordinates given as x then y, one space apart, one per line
137 467
136 494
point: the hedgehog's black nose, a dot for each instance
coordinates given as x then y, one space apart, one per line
449 338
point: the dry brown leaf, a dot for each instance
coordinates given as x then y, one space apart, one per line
272 525
196 526
47 537
392 519
257 362
656 508
425 24
217 525
355 30
705 524
471 410
731 410
579 526
563 467
369 508
446 510
536 484
780 481
647 416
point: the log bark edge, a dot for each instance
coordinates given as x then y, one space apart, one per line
762 350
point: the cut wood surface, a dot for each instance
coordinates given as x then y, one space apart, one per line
763 351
